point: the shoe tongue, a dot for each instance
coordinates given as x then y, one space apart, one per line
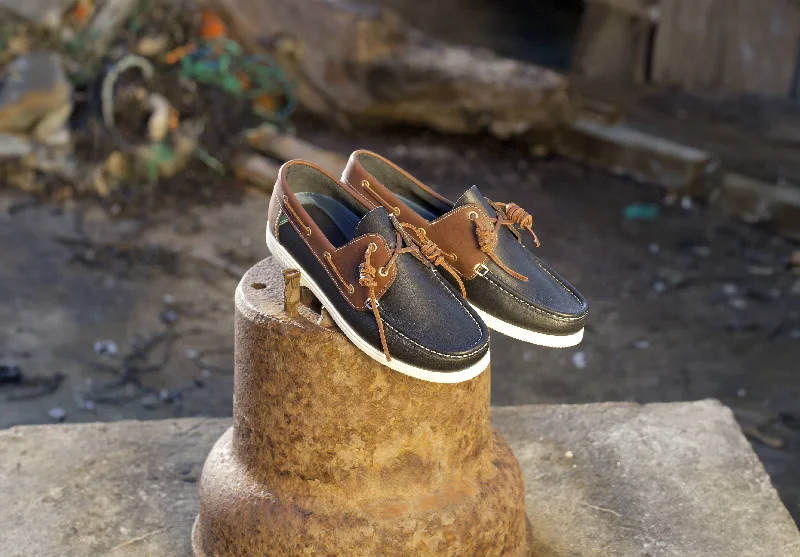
377 222
474 197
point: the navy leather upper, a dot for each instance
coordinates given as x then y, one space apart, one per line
546 302
426 321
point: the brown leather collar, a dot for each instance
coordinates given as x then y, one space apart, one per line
453 232
341 264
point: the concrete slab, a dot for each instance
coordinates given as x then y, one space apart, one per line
659 480
655 480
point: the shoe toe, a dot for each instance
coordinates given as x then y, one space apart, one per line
432 327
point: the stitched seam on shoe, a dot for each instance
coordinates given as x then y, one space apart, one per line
469 207
325 267
439 278
452 356
388 250
355 189
452 212
564 286
277 220
335 281
543 312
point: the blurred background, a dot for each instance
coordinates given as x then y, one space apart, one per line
656 143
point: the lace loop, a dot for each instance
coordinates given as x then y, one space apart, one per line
517 215
329 259
296 216
394 208
433 253
366 278
509 215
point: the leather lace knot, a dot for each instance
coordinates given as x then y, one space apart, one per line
367 278
488 237
433 253
509 215
420 246
517 215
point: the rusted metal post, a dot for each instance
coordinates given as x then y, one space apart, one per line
332 453
291 292
325 320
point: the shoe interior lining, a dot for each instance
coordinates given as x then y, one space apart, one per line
421 210
406 189
336 221
335 211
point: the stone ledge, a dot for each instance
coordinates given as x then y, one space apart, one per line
655 480
659 480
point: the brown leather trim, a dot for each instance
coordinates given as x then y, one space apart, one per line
354 169
346 258
349 257
275 207
454 232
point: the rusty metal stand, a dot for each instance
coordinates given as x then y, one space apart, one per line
333 454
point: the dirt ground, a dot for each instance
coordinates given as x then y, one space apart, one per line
688 306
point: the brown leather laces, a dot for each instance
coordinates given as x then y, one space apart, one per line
508 214
366 278
516 215
433 253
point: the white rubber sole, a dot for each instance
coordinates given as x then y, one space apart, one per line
526 335
460 376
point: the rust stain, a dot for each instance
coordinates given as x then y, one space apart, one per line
313 466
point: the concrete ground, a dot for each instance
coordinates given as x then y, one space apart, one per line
688 306
660 480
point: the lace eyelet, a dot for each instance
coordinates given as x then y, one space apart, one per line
455 256
364 184
372 247
481 269
472 215
382 273
351 288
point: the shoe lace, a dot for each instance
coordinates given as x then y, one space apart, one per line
433 253
367 279
510 215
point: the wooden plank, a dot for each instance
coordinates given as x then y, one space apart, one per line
256 170
688 44
270 141
730 46
762 46
628 152
755 201
612 45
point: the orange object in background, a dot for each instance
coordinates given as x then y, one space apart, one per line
81 13
266 103
174 119
212 27
244 80
177 54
